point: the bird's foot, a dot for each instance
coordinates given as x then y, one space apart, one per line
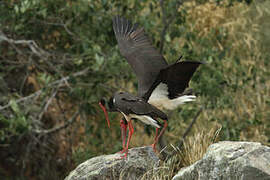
125 156
154 148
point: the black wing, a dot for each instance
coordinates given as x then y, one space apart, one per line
143 108
136 105
135 46
176 77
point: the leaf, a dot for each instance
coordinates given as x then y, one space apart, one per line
43 12
99 62
16 8
168 38
14 106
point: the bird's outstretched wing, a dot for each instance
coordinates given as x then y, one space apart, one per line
135 46
176 77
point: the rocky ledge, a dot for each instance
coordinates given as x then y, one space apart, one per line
230 160
107 167
223 160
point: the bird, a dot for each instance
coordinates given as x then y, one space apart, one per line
161 86
133 107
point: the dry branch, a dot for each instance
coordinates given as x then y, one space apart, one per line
166 155
167 21
30 43
180 144
48 103
37 93
57 128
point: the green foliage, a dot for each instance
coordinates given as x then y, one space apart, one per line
232 85
16 125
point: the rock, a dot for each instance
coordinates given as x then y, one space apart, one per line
107 167
232 161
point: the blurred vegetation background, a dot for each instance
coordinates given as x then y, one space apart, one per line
59 57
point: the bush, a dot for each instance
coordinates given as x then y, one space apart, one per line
58 58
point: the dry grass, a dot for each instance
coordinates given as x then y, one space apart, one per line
195 147
193 150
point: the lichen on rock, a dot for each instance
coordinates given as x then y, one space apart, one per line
106 167
230 160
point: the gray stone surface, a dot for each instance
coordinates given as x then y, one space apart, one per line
107 167
229 160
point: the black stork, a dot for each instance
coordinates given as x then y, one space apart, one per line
133 107
160 85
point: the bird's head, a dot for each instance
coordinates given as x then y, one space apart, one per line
107 107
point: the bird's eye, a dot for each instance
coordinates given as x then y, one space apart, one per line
102 101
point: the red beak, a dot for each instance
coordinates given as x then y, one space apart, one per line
105 112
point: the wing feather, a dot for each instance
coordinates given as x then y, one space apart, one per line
176 77
136 47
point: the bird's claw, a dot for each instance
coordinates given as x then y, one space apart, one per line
125 156
124 151
154 148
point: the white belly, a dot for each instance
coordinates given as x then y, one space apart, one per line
145 119
159 98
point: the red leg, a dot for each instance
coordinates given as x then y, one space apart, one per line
131 130
154 145
160 134
123 126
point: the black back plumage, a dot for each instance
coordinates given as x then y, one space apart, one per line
130 104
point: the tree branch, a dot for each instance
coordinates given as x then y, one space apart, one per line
37 93
64 25
30 43
166 21
166 155
57 128
48 103
180 144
